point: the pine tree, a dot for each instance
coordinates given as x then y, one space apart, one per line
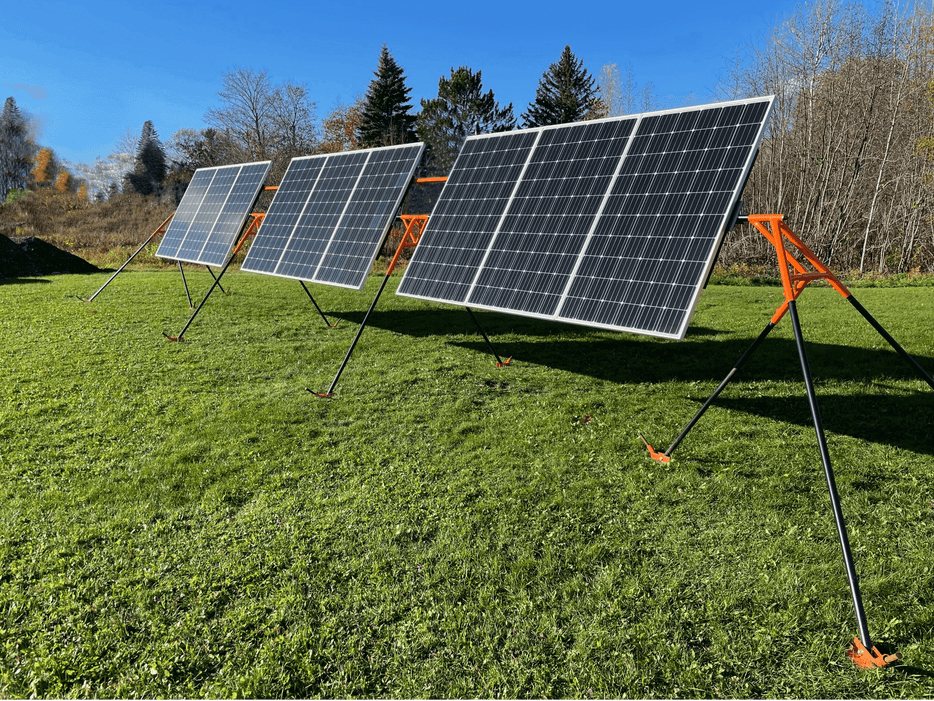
385 120
150 168
565 93
461 109
16 149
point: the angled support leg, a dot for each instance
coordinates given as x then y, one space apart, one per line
891 341
862 652
160 230
340 370
831 483
499 361
326 322
414 225
666 456
185 283
227 291
217 282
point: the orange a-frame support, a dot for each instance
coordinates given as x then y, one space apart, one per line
796 275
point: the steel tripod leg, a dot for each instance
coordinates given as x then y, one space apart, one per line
226 292
499 361
120 269
330 392
307 292
185 283
217 282
891 341
831 484
716 393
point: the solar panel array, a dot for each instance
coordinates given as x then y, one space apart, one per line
211 213
611 223
331 213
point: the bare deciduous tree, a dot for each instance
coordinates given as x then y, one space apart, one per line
258 120
847 158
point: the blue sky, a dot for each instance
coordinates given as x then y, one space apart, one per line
91 71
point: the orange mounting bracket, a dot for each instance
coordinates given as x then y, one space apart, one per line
795 275
864 659
251 229
414 226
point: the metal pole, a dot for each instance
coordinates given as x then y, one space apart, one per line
185 283
366 316
120 269
326 322
499 362
217 282
135 253
726 380
226 292
831 484
892 342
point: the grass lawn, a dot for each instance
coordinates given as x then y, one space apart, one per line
184 519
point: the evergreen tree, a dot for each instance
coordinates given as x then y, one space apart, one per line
565 93
461 109
385 120
150 168
16 149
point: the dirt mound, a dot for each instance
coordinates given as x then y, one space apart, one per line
33 257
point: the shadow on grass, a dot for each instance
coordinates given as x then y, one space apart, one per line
910 671
897 421
24 281
623 357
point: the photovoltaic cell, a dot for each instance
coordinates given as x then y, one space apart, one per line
211 213
465 219
239 202
611 223
289 202
331 213
185 213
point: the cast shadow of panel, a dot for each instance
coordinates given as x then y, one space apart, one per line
629 358
899 421
701 358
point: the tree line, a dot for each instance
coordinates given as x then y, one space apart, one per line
848 157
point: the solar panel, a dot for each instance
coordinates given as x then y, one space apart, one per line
611 223
212 212
331 213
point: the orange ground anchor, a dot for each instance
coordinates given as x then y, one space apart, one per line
864 659
654 454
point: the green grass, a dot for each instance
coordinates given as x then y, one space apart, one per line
185 520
